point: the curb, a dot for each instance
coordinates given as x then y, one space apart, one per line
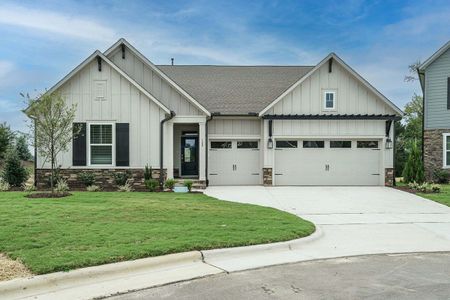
41 284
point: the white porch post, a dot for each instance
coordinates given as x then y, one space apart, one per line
168 149
202 150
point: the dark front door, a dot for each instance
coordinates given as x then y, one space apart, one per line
189 156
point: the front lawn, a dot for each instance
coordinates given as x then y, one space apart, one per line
88 229
443 197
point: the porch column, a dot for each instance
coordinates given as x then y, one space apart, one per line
168 149
202 150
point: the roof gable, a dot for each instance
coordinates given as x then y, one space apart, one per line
112 65
337 59
435 56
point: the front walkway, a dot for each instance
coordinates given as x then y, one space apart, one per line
352 221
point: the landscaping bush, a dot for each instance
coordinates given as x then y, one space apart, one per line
413 170
61 186
56 177
152 184
147 173
188 184
88 178
440 176
425 187
121 178
125 187
4 186
14 172
170 183
93 188
29 188
435 188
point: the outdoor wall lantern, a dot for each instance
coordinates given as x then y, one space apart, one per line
388 143
270 143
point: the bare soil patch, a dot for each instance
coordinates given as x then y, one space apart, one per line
10 269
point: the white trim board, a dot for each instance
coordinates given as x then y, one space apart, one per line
158 71
444 151
346 67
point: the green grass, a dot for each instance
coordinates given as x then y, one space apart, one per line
443 197
88 229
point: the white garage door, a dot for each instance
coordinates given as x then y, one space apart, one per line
234 162
327 162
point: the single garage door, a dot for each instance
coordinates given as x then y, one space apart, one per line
234 162
327 162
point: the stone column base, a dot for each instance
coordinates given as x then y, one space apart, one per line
267 176
389 177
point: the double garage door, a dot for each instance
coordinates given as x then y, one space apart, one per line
327 162
297 162
234 162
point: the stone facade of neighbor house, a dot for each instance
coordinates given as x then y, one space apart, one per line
434 75
224 125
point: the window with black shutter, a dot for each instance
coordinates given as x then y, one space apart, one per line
122 144
79 144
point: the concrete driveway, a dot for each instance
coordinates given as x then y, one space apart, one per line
352 221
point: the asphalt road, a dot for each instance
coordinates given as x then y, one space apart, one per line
407 276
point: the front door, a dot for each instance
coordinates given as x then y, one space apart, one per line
189 156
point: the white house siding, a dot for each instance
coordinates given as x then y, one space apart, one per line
123 103
352 96
234 127
153 83
437 116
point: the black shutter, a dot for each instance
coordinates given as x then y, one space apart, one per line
448 93
79 145
122 144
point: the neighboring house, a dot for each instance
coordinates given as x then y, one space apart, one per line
434 75
226 125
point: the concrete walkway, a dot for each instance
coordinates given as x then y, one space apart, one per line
352 220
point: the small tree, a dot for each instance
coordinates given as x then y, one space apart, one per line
22 148
413 171
52 126
6 137
14 172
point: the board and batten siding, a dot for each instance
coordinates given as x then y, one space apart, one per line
352 97
234 127
123 103
437 115
153 83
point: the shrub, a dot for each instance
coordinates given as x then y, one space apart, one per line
14 172
125 187
424 187
435 188
61 186
147 173
151 184
56 177
441 176
170 183
93 188
4 186
413 170
29 188
88 178
413 185
121 178
188 184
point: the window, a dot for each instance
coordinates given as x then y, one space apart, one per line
247 145
101 144
313 144
329 99
446 148
221 145
340 144
286 144
367 144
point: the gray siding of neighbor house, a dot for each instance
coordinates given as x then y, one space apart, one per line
437 116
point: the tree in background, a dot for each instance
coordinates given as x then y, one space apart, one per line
14 172
6 138
52 125
413 171
22 148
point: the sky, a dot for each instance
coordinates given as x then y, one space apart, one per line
42 41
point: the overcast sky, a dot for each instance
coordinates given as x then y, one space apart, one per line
41 41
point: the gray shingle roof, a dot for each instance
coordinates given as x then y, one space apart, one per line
235 89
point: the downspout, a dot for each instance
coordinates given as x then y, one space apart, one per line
161 147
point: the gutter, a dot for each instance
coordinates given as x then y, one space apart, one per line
161 147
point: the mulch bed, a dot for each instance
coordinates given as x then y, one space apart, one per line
47 195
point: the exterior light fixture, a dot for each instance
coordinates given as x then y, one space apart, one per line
388 143
270 143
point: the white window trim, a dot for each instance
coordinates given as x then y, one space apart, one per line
113 145
445 150
325 92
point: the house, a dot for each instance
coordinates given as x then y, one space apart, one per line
226 125
434 75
